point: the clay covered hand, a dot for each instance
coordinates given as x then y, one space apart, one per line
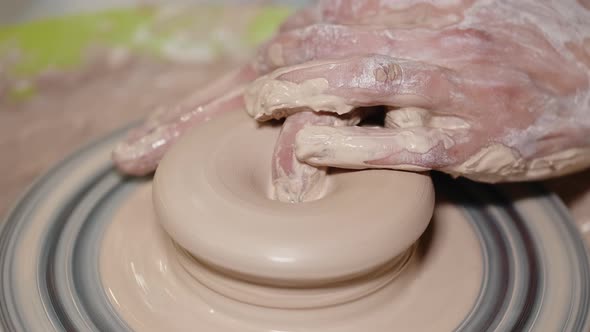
490 90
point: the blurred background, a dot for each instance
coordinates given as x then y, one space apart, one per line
13 11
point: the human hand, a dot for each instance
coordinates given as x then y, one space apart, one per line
492 91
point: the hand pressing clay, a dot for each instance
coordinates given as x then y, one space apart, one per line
293 180
491 90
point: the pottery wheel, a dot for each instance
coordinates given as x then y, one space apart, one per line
67 264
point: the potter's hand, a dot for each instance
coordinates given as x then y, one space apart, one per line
494 91
143 148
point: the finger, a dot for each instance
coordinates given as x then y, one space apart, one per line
415 117
418 148
203 96
293 180
334 41
450 47
321 41
339 86
140 154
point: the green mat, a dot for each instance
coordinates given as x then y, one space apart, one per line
62 42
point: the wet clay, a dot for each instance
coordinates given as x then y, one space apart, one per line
216 253
145 280
212 195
